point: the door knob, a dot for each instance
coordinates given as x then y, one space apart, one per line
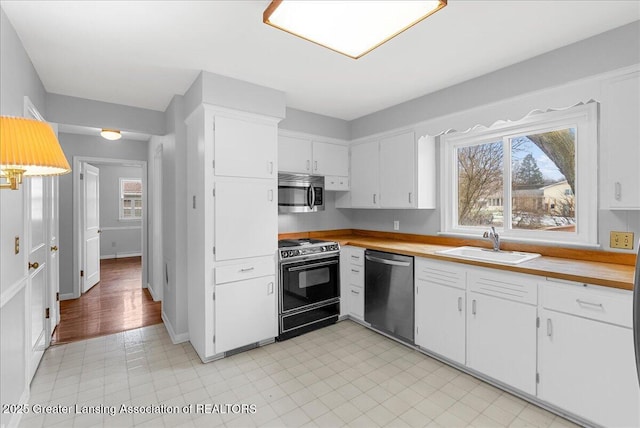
54 248
34 265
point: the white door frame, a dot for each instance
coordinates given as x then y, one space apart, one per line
77 215
156 276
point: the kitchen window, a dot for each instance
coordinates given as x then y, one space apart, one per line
534 180
130 199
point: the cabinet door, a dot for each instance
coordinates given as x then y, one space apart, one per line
397 171
294 155
356 301
588 368
440 320
364 176
501 340
245 313
330 159
621 134
245 149
246 218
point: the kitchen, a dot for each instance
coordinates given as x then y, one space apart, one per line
461 107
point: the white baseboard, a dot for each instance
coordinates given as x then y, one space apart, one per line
175 338
152 292
120 255
67 296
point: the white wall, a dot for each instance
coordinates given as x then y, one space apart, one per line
18 78
85 146
119 238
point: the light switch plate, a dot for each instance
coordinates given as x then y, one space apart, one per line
396 225
623 240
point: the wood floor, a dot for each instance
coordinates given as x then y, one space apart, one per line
117 303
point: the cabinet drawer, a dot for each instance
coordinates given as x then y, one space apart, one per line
332 182
590 301
440 273
246 270
355 275
356 301
356 257
511 286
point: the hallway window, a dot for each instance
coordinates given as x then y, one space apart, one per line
130 199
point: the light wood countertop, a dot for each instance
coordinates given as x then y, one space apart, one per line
607 269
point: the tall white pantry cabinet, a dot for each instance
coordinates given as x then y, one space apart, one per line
232 229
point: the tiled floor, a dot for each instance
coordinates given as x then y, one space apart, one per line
342 375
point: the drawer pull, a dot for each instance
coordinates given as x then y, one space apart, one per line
355 271
355 257
355 292
247 269
595 305
459 304
549 327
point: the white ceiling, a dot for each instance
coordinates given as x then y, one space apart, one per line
141 53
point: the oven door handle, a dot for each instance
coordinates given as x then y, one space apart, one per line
314 265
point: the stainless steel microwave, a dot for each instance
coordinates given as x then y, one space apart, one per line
300 193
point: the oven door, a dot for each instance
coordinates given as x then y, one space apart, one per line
309 282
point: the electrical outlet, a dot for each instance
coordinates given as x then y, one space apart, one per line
622 240
396 225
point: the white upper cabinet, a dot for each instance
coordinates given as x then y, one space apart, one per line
294 154
365 192
395 172
620 132
330 159
244 148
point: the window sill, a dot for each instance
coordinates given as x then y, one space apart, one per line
519 240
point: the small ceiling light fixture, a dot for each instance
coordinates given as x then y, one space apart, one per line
110 134
352 28
28 148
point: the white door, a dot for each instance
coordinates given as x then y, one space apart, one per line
245 313
37 268
397 171
294 155
245 149
156 226
53 259
246 218
330 159
440 319
501 340
364 176
91 226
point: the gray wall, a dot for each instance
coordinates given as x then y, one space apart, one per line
119 238
85 146
330 218
607 51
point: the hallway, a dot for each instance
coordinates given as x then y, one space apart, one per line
117 303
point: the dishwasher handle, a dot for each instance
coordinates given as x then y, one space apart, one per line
387 262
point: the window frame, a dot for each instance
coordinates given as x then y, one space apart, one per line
122 198
584 118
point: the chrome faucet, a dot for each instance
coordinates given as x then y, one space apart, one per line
495 238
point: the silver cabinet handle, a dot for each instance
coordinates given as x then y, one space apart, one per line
308 164
355 292
247 269
315 165
355 257
374 198
459 304
410 197
387 262
549 327
583 302
270 195
270 168
355 271
618 191
270 288
473 306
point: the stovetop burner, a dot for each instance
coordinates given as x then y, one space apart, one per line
306 247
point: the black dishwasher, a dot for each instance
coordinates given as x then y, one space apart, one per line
388 294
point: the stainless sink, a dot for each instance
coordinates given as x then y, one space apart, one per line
486 255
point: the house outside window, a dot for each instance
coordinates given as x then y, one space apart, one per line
130 199
533 179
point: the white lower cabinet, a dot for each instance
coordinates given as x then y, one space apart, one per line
245 313
352 282
440 308
586 355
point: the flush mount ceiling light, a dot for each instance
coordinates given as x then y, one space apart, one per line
111 134
352 28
